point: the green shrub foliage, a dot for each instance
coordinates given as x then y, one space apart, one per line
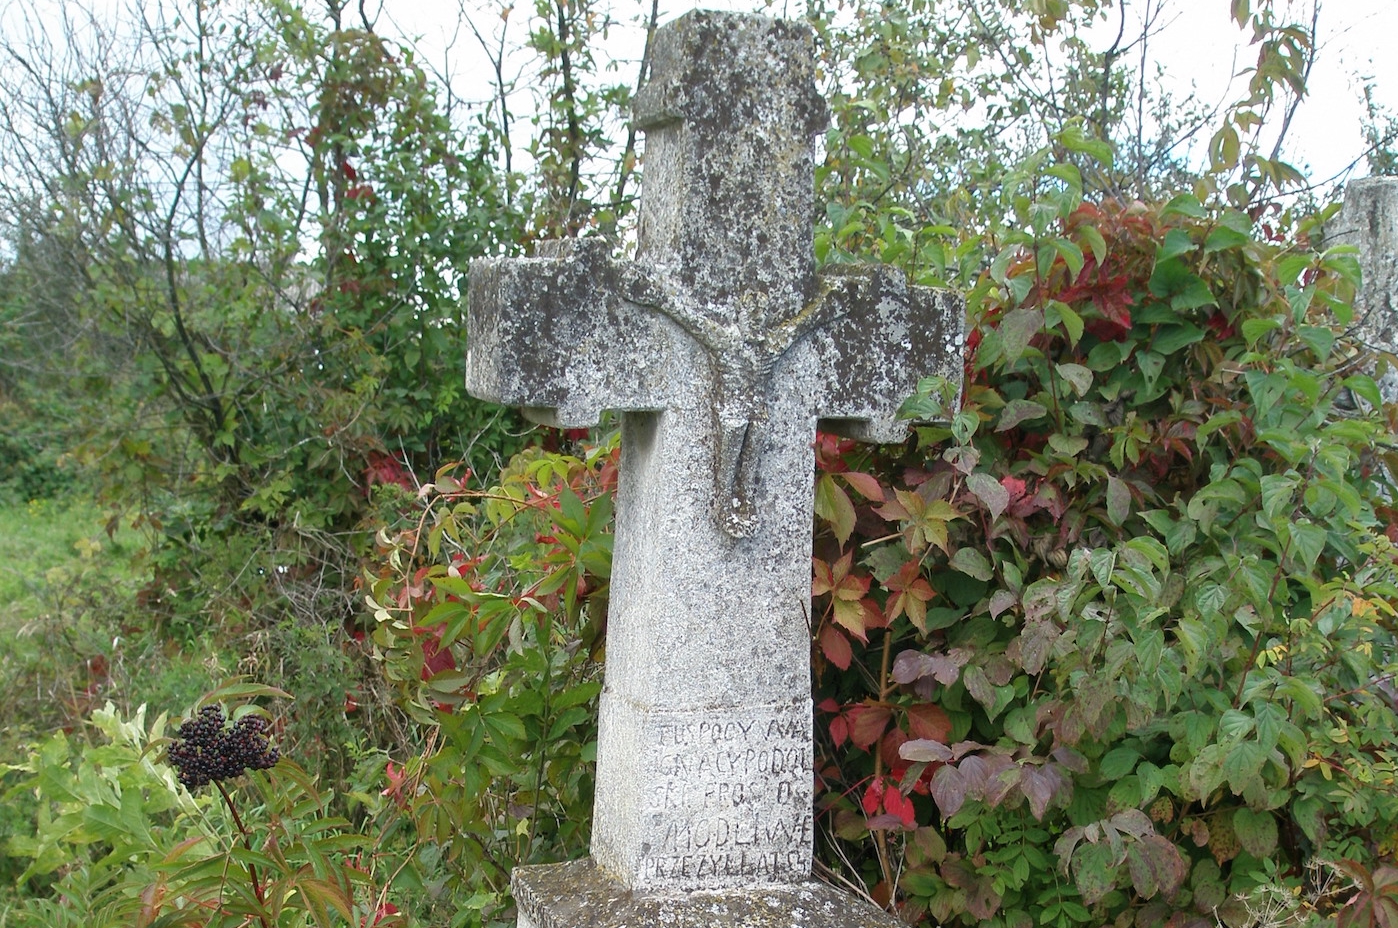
1115 645
114 839
491 609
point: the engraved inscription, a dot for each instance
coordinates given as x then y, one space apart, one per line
733 799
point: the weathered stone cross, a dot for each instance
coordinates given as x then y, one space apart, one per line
724 349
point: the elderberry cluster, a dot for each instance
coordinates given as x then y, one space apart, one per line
207 749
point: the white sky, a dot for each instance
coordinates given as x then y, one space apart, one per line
1200 47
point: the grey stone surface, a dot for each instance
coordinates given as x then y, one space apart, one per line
723 347
1369 221
578 895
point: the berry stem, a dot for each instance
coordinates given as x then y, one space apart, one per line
247 842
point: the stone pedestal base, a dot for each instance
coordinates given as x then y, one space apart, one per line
578 894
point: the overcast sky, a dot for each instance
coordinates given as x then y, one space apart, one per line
1200 47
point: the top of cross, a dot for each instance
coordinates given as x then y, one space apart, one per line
724 253
729 115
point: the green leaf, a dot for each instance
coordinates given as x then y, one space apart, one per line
1118 762
1018 327
234 689
1320 339
1071 255
833 505
971 562
1307 543
1223 238
1094 241
1017 411
1172 338
1172 279
1077 375
1118 500
1257 832
1067 446
1072 322
505 724
1364 387
1254 329
1185 204
1177 242
1075 139
1206 772
1094 871
1243 765
1290 268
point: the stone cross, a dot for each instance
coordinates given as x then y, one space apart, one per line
1369 221
724 350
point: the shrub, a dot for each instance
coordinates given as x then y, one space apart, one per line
1114 646
114 839
490 609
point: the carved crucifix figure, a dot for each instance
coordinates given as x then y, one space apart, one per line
724 349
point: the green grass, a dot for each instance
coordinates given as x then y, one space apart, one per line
39 542
59 571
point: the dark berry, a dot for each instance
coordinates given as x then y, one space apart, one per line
208 750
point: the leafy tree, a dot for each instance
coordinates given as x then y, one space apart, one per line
259 225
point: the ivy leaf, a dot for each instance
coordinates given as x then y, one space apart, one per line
991 492
833 505
910 595
867 486
930 721
835 646
925 523
867 724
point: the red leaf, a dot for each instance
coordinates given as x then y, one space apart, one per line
839 730
948 790
929 722
835 646
894 739
867 724
1038 789
911 666
1156 866
898 804
873 796
868 486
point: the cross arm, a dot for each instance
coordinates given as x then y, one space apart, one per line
557 336
882 338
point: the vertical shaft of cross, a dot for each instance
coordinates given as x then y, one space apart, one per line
704 757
